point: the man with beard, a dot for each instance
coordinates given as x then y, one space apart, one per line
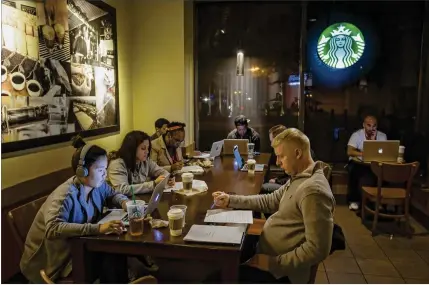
357 171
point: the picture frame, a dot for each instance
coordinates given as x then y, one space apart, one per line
59 72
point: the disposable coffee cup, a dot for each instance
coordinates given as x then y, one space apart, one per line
251 165
34 88
401 154
250 150
136 210
187 179
175 222
183 209
3 73
18 81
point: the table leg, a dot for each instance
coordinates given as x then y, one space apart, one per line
229 272
80 270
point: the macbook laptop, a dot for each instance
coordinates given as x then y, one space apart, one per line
120 214
242 165
386 151
229 144
215 151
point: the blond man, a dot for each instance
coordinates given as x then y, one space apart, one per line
299 233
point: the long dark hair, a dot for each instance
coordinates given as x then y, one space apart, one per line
94 153
128 149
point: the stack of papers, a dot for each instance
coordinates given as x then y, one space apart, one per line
196 184
229 216
215 234
203 155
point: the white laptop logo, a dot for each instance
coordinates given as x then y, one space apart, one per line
380 151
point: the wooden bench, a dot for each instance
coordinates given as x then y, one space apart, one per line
12 198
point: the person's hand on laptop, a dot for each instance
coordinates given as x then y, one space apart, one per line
220 199
115 226
177 166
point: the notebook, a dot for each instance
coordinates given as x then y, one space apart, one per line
215 234
229 216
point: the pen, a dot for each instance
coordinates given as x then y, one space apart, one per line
212 206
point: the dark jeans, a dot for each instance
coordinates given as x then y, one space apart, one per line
359 175
252 275
110 268
248 274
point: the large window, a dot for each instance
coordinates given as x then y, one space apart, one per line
388 84
267 90
376 49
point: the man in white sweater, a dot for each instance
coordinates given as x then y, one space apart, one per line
299 233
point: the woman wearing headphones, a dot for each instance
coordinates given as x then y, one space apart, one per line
131 167
73 209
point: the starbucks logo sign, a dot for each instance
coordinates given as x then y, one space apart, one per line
341 45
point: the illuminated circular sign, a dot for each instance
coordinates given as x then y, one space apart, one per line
341 45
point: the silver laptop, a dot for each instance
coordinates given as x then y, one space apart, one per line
120 214
229 144
242 165
215 151
386 151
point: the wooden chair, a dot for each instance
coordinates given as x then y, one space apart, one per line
149 279
327 171
393 173
21 218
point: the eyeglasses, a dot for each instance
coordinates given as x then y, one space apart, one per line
176 141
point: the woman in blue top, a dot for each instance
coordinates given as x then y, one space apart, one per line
72 210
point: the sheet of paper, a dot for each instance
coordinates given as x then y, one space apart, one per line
214 234
229 216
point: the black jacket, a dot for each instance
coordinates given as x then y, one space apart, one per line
250 135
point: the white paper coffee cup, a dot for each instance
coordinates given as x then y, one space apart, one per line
175 221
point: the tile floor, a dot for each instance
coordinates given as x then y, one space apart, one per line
379 260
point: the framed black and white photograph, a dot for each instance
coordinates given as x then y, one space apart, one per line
59 72
53 29
82 80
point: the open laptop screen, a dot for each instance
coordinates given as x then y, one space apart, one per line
237 157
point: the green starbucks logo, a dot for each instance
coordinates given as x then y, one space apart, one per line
341 45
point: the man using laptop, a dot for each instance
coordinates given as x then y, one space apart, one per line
243 131
360 174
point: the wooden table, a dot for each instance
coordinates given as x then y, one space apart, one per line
223 176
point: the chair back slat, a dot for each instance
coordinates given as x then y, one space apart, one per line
327 171
394 172
21 218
